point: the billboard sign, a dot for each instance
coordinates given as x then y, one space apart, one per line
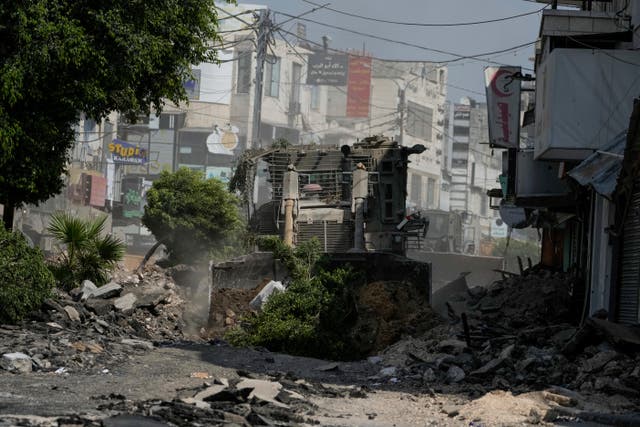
461 112
359 86
127 153
503 106
328 69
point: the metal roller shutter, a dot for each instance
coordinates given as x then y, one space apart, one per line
629 292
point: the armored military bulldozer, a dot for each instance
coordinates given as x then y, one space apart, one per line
350 198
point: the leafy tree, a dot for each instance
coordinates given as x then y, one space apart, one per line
62 57
25 280
89 253
191 215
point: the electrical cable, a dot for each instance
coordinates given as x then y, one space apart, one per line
459 57
445 62
421 24
388 62
604 51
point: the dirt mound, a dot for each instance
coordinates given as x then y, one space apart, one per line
228 306
388 311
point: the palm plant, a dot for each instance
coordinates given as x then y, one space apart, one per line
88 253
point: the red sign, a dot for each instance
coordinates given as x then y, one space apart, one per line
359 86
98 191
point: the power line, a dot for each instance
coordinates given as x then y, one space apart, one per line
603 51
387 61
459 57
421 24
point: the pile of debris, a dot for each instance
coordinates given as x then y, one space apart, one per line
91 328
242 401
515 335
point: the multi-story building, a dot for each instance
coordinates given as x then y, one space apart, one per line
576 180
473 169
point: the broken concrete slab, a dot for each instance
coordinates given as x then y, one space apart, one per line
598 361
125 303
16 362
452 346
455 374
101 307
262 390
110 290
83 291
72 313
489 367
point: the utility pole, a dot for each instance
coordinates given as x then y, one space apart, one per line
263 33
401 93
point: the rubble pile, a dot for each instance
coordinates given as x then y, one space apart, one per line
244 401
91 328
515 336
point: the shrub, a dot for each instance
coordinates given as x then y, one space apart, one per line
88 254
313 316
25 280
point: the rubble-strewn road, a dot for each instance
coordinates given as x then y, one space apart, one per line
121 356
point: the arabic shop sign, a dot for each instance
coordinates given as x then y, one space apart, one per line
127 153
328 69
503 106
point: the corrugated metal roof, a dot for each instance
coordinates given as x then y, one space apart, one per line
601 169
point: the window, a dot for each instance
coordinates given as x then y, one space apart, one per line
416 189
315 97
419 121
192 87
431 192
460 131
473 173
243 82
272 76
296 76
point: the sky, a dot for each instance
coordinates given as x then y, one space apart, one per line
463 40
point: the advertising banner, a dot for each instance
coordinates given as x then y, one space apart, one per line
359 86
503 106
327 69
127 153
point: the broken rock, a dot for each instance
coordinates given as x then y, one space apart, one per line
16 362
125 303
73 314
598 361
455 374
109 290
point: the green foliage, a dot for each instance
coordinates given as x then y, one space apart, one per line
88 254
299 261
25 280
314 314
191 215
59 58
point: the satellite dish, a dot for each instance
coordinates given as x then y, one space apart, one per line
215 144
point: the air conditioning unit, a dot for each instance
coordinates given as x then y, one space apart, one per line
440 122
439 136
